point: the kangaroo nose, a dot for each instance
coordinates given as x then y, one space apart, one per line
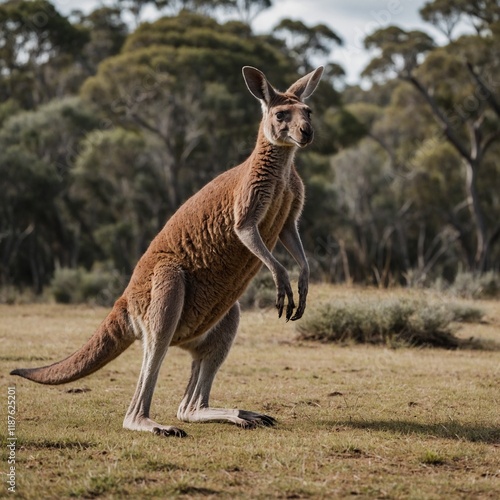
306 130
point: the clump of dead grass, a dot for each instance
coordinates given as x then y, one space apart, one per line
394 321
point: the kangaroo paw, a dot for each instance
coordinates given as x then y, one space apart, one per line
242 418
148 425
250 420
169 431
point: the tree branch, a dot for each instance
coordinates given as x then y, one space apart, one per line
490 97
489 140
441 118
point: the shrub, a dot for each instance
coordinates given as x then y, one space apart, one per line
392 321
100 286
66 285
473 286
10 295
261 292
463 313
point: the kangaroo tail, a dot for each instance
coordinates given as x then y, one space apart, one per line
112 337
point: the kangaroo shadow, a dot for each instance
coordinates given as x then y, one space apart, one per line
445 430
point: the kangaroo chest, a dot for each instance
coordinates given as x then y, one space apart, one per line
276 215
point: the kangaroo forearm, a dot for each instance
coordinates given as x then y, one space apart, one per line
250 237
290 238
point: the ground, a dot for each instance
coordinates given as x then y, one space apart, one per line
353 421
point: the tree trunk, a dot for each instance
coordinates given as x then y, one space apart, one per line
471 158
471 170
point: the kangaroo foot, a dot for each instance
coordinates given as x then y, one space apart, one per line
148 425
250 420
241 418
169 431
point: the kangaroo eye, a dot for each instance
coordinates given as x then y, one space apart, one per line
280 116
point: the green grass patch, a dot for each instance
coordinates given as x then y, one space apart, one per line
432 458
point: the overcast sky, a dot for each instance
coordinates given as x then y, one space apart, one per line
351 19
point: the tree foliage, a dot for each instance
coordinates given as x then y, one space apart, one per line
38 222
454 84
189 67
36 42
305 43
107 125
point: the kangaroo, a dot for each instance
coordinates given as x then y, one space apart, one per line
184 290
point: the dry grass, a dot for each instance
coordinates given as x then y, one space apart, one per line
356 421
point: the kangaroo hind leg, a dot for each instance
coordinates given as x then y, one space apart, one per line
157 328
209 352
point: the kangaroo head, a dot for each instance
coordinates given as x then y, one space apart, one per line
286 119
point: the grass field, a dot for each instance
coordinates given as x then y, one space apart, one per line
354 421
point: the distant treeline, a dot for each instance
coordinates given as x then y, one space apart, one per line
106 129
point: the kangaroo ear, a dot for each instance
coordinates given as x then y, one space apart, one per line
304 87
258 85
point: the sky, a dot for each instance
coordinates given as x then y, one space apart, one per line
352 20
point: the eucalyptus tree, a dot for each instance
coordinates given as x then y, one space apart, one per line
248 10
179 79
107 32
117 188
37 48
306 43
455 84
39 224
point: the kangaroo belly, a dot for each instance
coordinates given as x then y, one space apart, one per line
212 288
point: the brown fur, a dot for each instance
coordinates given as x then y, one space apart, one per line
184 290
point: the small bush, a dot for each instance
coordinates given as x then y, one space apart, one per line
66 285
473 286
466 314
390 321
261 292
100 286
12 295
